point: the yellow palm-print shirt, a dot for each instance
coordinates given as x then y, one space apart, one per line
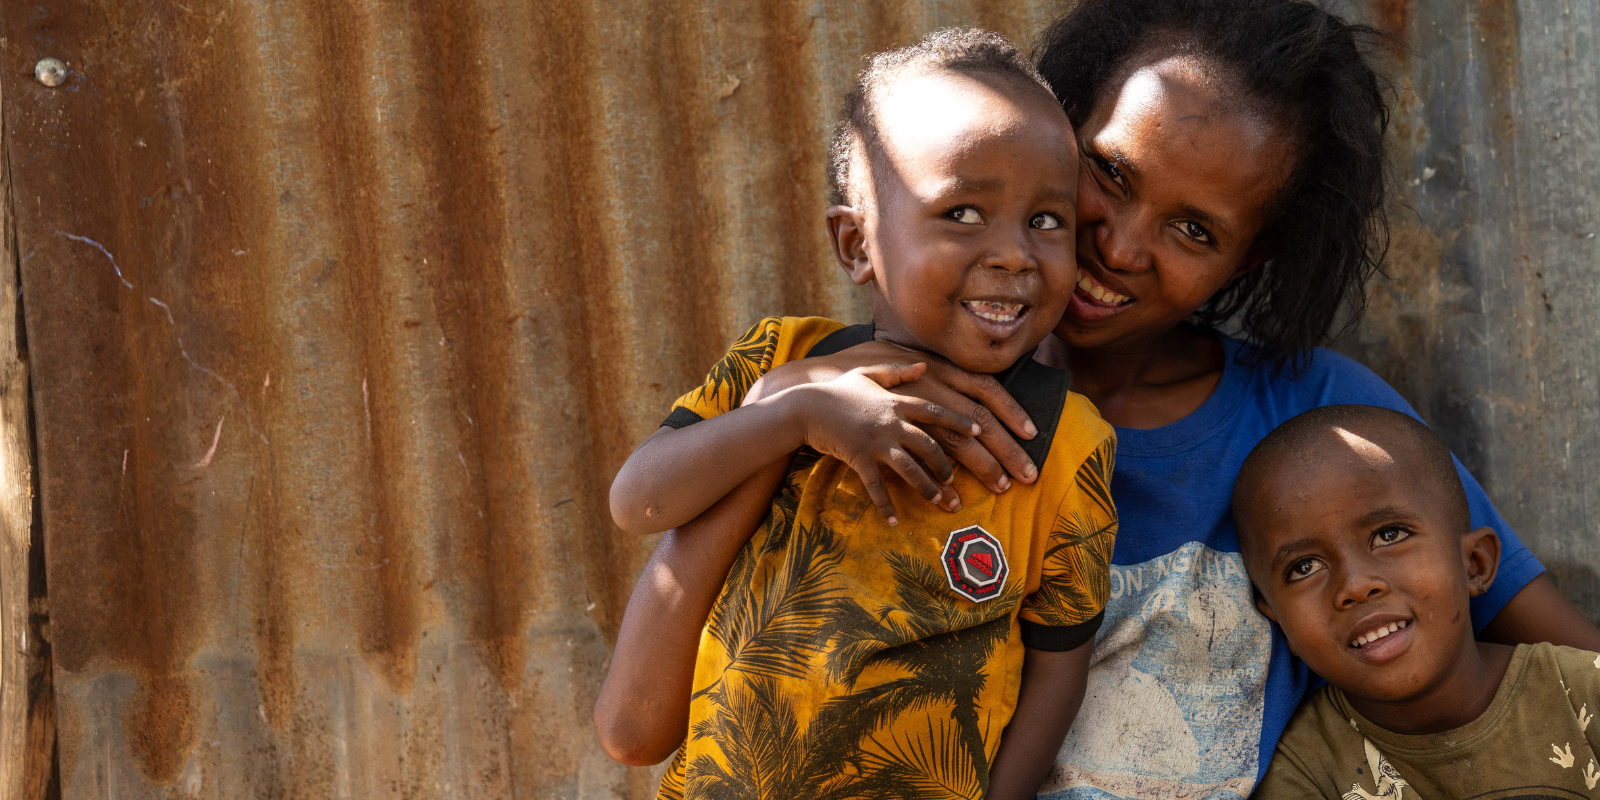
848 659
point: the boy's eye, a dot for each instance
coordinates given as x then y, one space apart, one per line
1045 222
966 215
1389 536
1195 231
1304 568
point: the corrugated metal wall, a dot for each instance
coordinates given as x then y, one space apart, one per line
340 318
1491 324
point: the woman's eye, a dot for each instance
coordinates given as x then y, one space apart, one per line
966 215
1389 536
1304 568
1045 222
1195 230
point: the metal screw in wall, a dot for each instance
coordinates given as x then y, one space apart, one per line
50 72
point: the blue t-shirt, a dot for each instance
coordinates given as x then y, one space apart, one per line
1190 687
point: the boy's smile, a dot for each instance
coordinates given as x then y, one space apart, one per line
1365 562
966 231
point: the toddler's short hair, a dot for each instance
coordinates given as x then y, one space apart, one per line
965 51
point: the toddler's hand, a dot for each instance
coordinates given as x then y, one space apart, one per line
855 419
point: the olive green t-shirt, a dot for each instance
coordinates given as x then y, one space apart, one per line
1534 741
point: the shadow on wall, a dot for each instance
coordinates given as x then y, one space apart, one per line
1580 583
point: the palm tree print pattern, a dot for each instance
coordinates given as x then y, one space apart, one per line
824 692
1077 575
749 358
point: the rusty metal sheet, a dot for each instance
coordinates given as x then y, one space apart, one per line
1488 324
341 316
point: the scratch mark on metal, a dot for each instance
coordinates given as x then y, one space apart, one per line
102 248
215 438
125 461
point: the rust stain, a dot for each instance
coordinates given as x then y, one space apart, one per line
1393 19
341 320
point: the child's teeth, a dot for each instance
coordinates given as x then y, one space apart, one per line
996 312
1373 636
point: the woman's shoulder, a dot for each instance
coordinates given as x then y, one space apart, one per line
1324 377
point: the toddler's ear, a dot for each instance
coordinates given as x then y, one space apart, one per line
847 233
1480 553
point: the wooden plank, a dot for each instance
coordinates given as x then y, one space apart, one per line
27 702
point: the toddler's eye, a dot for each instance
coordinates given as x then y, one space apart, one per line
1389 536
1045 222
1304 568
966 215
1109 169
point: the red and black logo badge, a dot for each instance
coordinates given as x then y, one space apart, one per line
975 564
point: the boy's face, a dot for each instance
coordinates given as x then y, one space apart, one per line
1364 565
966 225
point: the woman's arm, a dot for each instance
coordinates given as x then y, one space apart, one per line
1540 613
1053 685
642 713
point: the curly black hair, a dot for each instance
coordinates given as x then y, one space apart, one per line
965 51
1327 230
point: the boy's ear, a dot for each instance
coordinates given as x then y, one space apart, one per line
847 233
1266 610
1480 552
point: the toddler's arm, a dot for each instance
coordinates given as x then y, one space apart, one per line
840 405
678 473
1053 684
642 713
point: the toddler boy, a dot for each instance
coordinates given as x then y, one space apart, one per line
850 655
1354 528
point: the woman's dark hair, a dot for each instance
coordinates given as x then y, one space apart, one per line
1326 231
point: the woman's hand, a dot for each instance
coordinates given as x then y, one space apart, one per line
856 421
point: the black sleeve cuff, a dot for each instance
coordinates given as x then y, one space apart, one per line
1059 638
681 418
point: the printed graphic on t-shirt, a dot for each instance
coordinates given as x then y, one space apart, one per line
1176 686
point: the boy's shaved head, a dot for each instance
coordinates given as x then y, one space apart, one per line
970 52
1307 439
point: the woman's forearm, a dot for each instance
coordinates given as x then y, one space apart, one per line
642 713
1540 613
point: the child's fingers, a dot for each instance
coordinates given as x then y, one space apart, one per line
891 375
913 473
873 480
928 412
928 452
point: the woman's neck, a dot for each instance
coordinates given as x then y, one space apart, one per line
1145 384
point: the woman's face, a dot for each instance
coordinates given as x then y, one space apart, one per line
1172 193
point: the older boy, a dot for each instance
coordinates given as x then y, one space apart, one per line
850 655
1354 528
